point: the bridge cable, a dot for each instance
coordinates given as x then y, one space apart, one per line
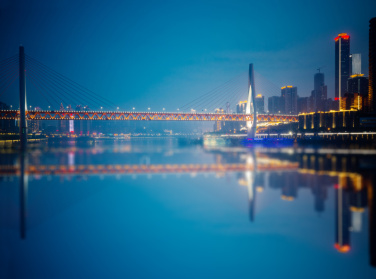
9 60
57 87
66 87
6 68
60 86
83 89
221 101
227 95
49 87
38 89
211 92
14 77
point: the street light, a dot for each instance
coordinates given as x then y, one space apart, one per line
133 108
163 109
148 108
101 108
117 108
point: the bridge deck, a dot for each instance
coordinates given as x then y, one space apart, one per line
155 116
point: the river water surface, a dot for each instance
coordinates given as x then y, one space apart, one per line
152 208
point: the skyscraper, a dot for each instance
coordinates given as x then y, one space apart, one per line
356 64
289 96
319 93
274 104
260 103
303 104
342 65
372 66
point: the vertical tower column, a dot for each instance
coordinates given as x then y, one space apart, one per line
372 66
251 104
23 105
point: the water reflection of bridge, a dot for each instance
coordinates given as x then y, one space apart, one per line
272 165
347 174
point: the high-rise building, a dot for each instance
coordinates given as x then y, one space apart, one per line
241 107
372 66
303 104
357 87
358 84
356 64
260 104
319 93
274 105
342 65
289 99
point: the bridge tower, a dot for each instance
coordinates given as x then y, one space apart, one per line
251 104
23 104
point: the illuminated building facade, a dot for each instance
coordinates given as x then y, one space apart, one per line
357 96
289 99
358 84
342 65
372 66
240 108
345 120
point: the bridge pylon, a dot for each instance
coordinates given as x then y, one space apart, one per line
251 104
23 104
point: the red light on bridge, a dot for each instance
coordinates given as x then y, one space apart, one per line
336 99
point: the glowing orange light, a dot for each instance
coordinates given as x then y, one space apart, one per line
357 75
342 249
343 36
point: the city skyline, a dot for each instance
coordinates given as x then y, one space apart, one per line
176 65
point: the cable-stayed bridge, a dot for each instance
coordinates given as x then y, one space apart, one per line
130 115
55 89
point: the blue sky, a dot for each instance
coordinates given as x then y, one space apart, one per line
166 53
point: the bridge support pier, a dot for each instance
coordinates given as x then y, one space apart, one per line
23 104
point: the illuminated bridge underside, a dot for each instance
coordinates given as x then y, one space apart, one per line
143 169
116 115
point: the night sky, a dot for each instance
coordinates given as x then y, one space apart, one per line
166 53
